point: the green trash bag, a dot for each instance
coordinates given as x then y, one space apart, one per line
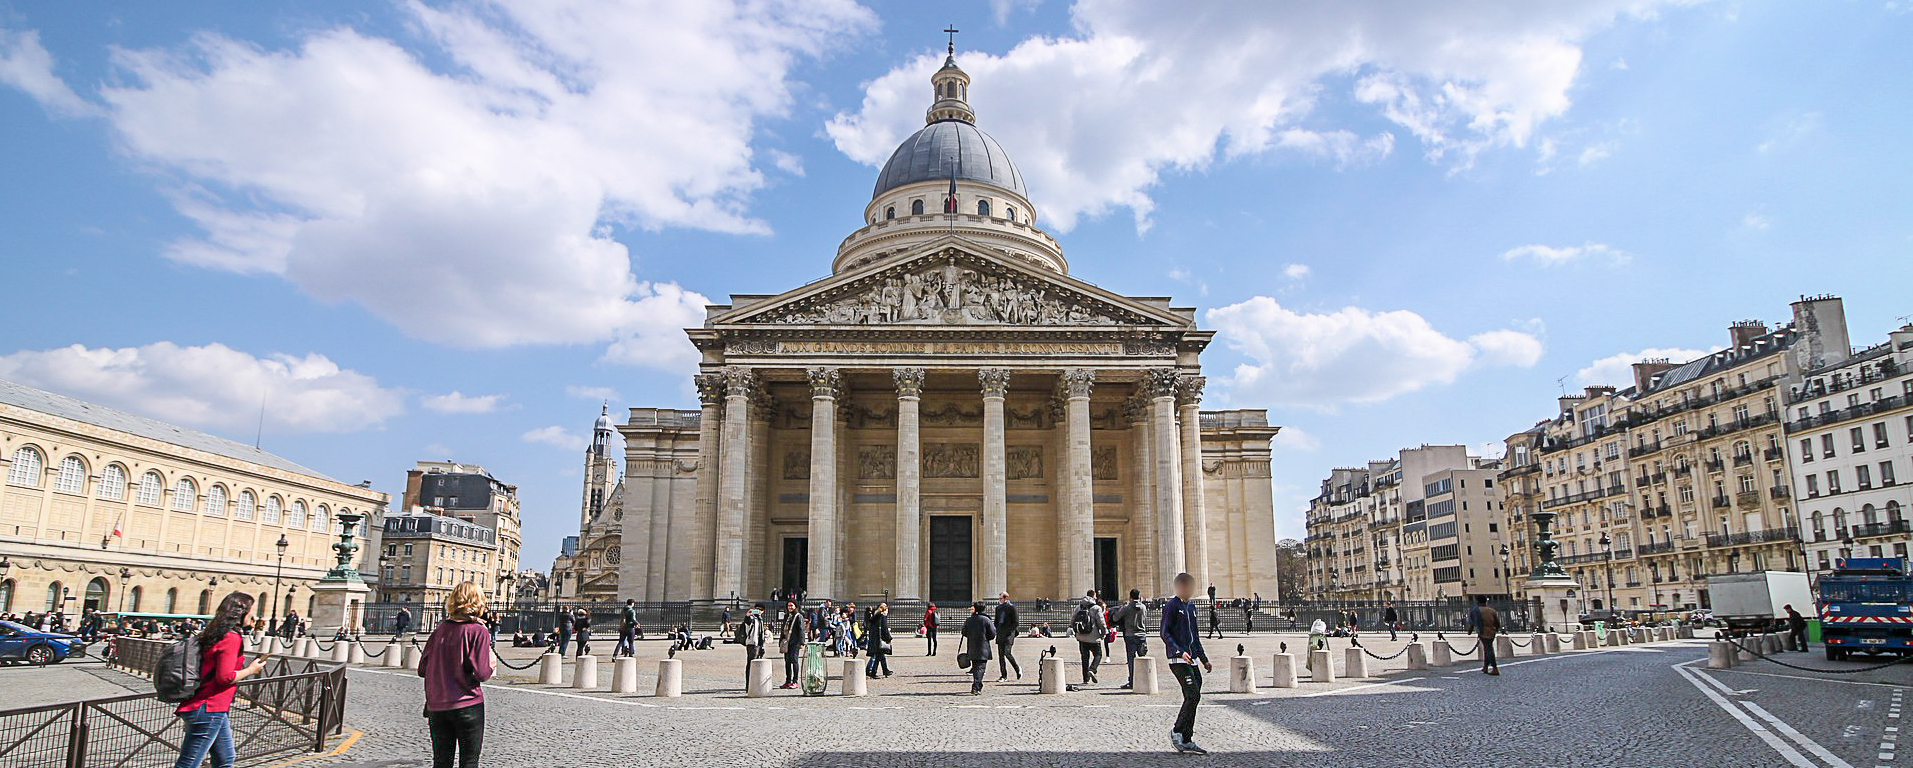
811 674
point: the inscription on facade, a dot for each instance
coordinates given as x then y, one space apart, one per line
952 348
950 460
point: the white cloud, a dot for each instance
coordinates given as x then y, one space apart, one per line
1618 369
1755 221
1294 439
1790 132
212 386
555 436
1000 10
592 393
1507 348
1295 271
1137 89
1181 275
1547 255
1595 153
459 402
1351 355
488 161
26 65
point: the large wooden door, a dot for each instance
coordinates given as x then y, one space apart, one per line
796 577
950 559
1106 585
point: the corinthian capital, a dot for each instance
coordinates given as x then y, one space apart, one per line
1076 382
710 388
1160 382
739 381
909 381
995 381
1189 389
825 382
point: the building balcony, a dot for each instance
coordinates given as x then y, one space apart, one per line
1888 528
1779 492
1747 499
1714 465
1722 502
1773 454
1657 548
1644 450
1744 460
1683 471
1789 533
1860 411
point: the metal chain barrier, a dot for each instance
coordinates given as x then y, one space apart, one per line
1469 652
1519 644
1372 654
1758 654
368 650
322 646
532 663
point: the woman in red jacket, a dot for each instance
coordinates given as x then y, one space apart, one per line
454 663
221 666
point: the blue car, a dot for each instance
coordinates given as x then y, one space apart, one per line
19 642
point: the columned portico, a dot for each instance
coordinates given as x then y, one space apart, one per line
1076 527
996 382
1166 454
734 467
1195 519
825 385
909 565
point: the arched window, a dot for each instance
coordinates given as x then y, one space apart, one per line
172 600
112 483
1893 511
52 596
296 516
889 213
916 207
216 501
6 596
150 487
1839 523
205 602
26 468
982 207
132 599
322 521
72 477
271 513
185 495
95 597
243 510
1868 516
1816 520
1009 212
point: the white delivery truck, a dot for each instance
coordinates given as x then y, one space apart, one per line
1756 601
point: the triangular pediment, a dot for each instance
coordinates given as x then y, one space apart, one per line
952 281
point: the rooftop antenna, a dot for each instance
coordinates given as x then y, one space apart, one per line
1563 384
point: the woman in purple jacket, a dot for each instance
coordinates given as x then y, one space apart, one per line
455 661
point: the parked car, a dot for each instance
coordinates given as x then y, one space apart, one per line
19 642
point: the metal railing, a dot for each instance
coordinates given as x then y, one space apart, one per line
295 706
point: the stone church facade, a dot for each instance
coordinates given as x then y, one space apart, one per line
948 416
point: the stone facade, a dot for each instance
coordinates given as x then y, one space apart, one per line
197 516
426 555
947 416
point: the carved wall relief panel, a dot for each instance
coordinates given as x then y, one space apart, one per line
951 460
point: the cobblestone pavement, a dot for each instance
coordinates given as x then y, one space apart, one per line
1640 705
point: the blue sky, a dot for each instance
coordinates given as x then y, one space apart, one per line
1408 222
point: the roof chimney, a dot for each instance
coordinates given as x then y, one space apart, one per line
1743 332
1646 370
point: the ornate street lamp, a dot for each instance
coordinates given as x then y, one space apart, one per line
1506 586
126 574
1607 551
277 571
385 565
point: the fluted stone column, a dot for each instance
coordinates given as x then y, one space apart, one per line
710 393
909 574
825 385
1160 386
1142 502
756 507
1077 530
734 459
996 567
1195 519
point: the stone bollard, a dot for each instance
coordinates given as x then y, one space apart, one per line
1641 635
854 678
585 674
1050 669
1354 663
1241 674
1685 633
551 668
1284 668
1720 655
1504 647
412 654
624 674
1417 656
302 648
1614 638
355 654
1443 655
1578 641
1538 644
757 684
340 649
394 656
1773 644
670 678
1146 681
1746 651
1554 642
1321 667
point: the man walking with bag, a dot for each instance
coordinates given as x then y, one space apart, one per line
978 631
1487 624
1088 625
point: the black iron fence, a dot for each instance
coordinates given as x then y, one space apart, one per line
1434 615
295 706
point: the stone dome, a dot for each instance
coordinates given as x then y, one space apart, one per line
950 147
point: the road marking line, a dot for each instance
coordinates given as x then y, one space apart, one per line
1717 684
1779 745
1811 745
1815 679
1352 688
336 751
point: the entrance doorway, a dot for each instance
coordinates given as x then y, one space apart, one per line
796 577
950 559
95 599
1106 584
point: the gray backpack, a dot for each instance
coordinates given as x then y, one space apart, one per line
176 676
